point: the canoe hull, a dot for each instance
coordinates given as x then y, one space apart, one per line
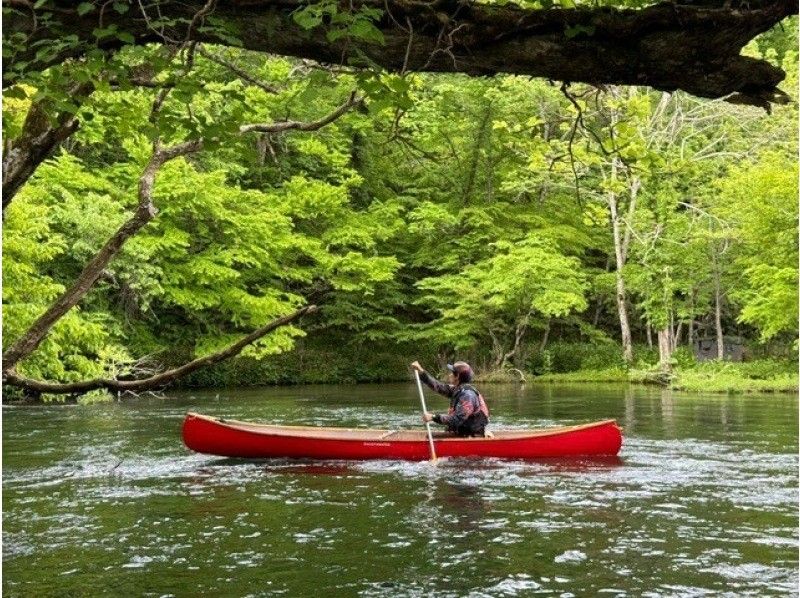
211 436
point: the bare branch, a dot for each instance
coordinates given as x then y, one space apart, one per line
159 380
286 125
235 69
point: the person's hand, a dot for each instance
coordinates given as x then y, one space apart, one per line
417 366
427 417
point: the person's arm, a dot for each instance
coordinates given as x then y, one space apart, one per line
432 383
463 409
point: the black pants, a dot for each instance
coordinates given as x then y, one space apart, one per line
474 426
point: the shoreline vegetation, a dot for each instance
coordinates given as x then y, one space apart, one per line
316 366
769 376
719 380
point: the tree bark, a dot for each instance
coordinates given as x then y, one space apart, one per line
480 136
498 352
545 336
694 46
676 338
519 333
159 380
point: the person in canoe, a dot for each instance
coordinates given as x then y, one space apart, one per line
468 414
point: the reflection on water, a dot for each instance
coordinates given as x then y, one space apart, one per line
106 500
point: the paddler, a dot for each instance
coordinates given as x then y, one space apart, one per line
468 414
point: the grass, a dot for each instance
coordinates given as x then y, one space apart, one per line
710 377
606 375
757 376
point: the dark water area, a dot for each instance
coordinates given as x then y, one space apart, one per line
106 501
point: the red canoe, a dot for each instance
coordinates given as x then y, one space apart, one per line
229 438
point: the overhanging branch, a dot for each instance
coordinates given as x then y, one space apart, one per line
145 211
693 46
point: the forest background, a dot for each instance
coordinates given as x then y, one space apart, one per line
533 228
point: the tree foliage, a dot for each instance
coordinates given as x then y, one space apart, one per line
445 214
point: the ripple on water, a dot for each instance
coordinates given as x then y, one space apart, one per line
678 517
511 586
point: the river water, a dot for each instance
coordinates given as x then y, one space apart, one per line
106 500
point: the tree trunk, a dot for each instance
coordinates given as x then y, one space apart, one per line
718 315
676 338
519 334
546 334
480 136
668 46
649 335
665 349
619 253
498 352
599 307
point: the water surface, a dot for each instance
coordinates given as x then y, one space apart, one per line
106 500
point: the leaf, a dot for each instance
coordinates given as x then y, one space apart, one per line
85 7
102 32
308 17
365 30
126 37
15 92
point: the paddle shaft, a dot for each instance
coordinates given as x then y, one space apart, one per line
425 410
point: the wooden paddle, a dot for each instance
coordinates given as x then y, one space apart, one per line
424 411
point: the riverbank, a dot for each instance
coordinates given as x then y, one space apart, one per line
302 367
756 376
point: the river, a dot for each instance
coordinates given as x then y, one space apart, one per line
105 500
